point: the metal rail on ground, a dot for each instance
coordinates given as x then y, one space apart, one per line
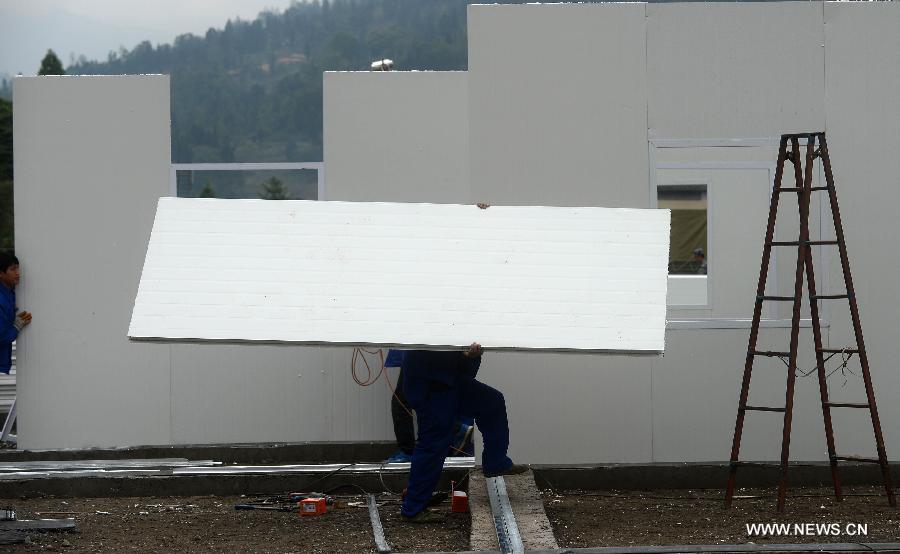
377 530
508 536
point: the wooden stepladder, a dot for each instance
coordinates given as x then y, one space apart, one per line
789 150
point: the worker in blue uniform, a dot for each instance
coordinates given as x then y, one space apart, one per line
404 427
12 321
441 387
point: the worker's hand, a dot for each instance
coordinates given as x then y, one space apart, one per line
474 351
22 320
483 206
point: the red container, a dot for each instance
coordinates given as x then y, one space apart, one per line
459 503
312 507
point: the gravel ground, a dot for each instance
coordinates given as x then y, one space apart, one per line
211 524
661 517
579 519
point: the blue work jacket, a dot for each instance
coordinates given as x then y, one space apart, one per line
425 369
8 332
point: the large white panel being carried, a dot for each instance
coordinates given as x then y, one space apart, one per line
438 275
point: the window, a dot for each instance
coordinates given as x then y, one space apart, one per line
688 246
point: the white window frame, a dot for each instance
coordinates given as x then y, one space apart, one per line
769 319
319 167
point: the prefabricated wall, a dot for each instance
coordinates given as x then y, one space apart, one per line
396 136
562 105
92 158
601 104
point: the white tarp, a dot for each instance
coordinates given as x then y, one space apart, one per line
438 275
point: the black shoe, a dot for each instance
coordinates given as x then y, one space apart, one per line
437 498
424 516
514 469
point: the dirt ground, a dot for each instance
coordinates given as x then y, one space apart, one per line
579 519
629 518
211 524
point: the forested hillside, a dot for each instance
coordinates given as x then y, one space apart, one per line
6 176
253 90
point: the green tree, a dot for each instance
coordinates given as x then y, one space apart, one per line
51 65
208 191
273 189
6 141
6 175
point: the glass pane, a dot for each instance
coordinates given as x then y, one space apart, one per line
294 184
687 253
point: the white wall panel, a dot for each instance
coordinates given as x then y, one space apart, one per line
862 76
558 104
734 69
574 408
397 136
91 159
696 387
508 277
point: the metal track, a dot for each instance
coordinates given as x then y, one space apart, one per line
508 536
126 468
377 530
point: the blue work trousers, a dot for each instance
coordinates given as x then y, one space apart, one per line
437 414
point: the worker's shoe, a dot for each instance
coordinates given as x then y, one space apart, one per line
514 469
437 498
424 516
399 457
462 441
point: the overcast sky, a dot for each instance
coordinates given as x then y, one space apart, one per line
94 27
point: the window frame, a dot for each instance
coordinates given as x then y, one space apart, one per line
770 317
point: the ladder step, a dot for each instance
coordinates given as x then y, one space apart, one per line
770 354
763 409
857 459
828 296
846 405
797 242
838 350
796 189
777 298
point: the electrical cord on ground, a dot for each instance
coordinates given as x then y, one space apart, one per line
381 478
327 475
344 485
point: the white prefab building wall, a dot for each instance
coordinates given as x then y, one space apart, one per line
563 105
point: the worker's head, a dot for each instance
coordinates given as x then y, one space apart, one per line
699 256
9 269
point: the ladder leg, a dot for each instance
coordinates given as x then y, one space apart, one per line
857 327
754 328
817 332
795 336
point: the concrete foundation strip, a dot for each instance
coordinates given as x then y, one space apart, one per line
377 530
504 521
